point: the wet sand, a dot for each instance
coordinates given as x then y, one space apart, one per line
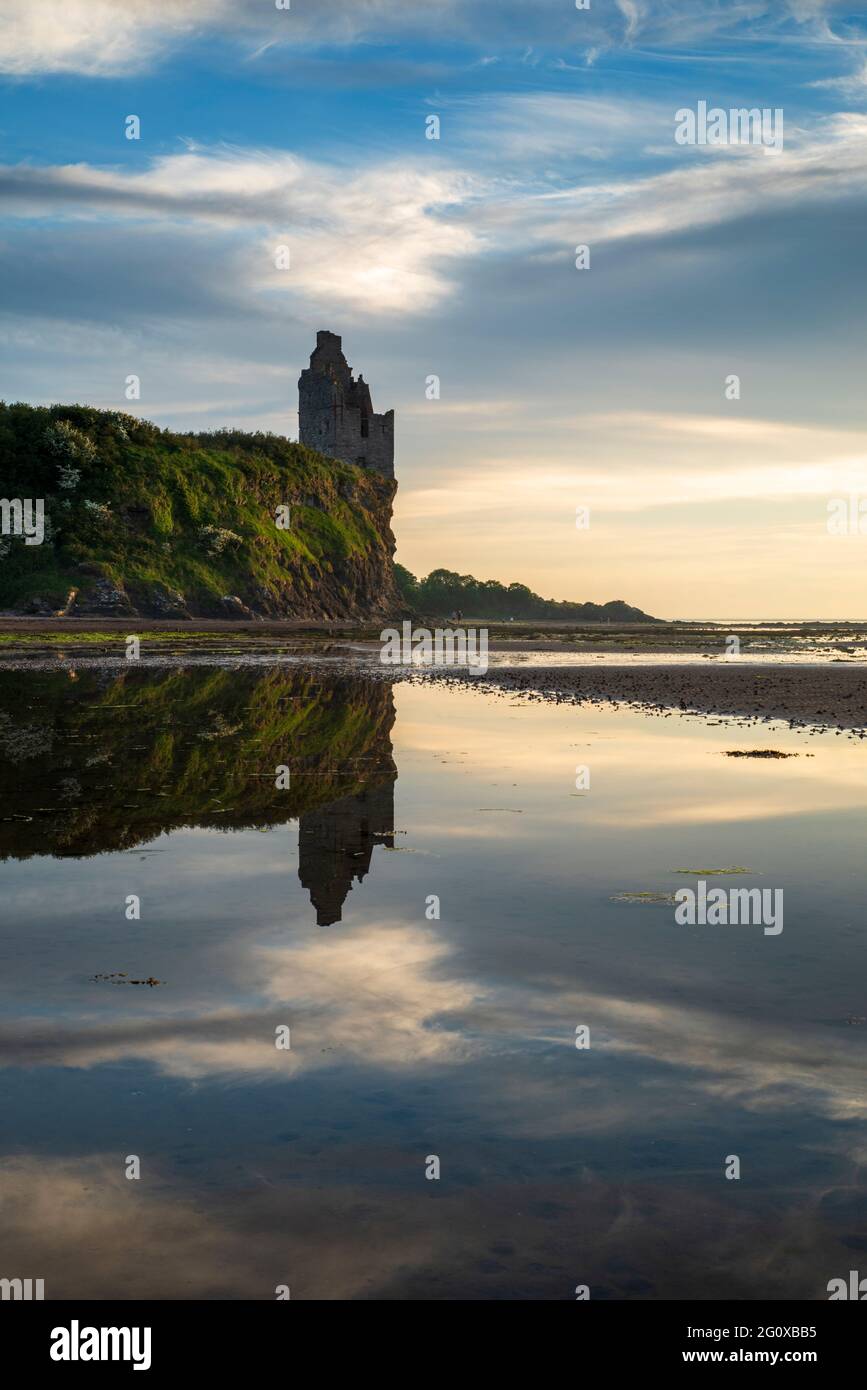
822 694
826 697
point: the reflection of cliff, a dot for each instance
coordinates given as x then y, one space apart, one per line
106 762
335 844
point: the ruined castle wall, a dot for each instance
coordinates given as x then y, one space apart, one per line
316 416
370 448
334 411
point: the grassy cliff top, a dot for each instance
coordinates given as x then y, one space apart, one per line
172 521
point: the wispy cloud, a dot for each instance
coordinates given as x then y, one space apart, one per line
108 38
97 38
457 257
376 240
702 191
386 238
632 14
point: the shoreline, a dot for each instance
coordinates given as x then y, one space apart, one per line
822 697
826 695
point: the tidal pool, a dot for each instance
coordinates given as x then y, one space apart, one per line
313 907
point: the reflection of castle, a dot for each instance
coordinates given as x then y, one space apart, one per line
335 844
58 778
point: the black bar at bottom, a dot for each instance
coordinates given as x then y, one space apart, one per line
231 1337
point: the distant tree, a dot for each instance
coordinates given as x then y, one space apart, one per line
407 584
444 591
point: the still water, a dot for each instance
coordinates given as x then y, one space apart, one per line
311 907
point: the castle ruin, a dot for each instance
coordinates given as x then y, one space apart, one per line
335 412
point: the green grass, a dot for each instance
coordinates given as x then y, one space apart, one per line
73 638
161 490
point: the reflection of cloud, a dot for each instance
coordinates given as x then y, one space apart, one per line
373 996
677 778
167 1244
342 1236
734 809
380 997
706 1054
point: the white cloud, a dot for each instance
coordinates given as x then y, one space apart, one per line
100 38
108 38
375 240
708 187
853 84
632 14
375 996
385 239
516 126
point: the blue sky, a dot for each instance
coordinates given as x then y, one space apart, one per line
603 387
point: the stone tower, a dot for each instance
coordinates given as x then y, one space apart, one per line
335 413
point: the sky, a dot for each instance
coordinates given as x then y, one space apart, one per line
606 387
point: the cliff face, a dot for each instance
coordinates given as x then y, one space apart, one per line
141 521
